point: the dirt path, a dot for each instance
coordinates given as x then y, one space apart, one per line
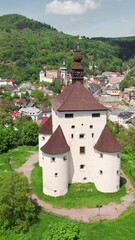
109 211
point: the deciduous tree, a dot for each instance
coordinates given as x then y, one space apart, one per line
64 231
29 133
16 209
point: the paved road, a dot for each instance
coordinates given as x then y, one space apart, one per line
109 211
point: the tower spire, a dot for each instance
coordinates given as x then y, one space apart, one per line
77 70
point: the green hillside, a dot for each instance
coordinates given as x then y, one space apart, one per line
26 46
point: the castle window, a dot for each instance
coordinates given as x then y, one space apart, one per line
82 150
84 178
72 135
69 115
82 135
91 126
56 174
53 159
92 135
43 138
95 115
73 126
65 158
82 124
101 155
82 166
100 172
118 155
55 190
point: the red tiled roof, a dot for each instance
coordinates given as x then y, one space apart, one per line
15 100
107 142
46 128
19 100
77 98
14 113
133 98
11 80
56 144
43 120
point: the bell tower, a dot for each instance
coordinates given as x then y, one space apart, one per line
77 70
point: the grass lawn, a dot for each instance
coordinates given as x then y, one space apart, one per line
122 228
18 156
79 195
128 166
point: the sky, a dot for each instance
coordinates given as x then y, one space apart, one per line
89 18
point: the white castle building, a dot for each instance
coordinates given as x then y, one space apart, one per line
75 144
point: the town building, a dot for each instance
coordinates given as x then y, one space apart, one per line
75 144
32 112
64 74
48 75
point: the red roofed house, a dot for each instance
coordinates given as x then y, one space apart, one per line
20 102
132 101
14 114
75 144
42 121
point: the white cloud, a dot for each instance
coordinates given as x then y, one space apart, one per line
70 7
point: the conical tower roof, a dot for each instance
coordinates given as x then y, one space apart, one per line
107 143
56 144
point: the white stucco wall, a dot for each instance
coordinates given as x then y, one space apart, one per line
42 139
55 175
107 172
72 128
113 118
80 167
43 78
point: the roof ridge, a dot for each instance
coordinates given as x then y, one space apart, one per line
72 88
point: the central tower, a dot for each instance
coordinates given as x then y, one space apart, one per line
77 70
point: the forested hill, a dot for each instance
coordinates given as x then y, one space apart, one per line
16 21
126 46
26 46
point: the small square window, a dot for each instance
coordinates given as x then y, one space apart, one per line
118 155
43 138
92 135
69 115
65 158
82 135
55 190
73 126
84 178
72 135
56 174
82 166
91 126
82 124
101 155
82 150
95 115
53 159
100 172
